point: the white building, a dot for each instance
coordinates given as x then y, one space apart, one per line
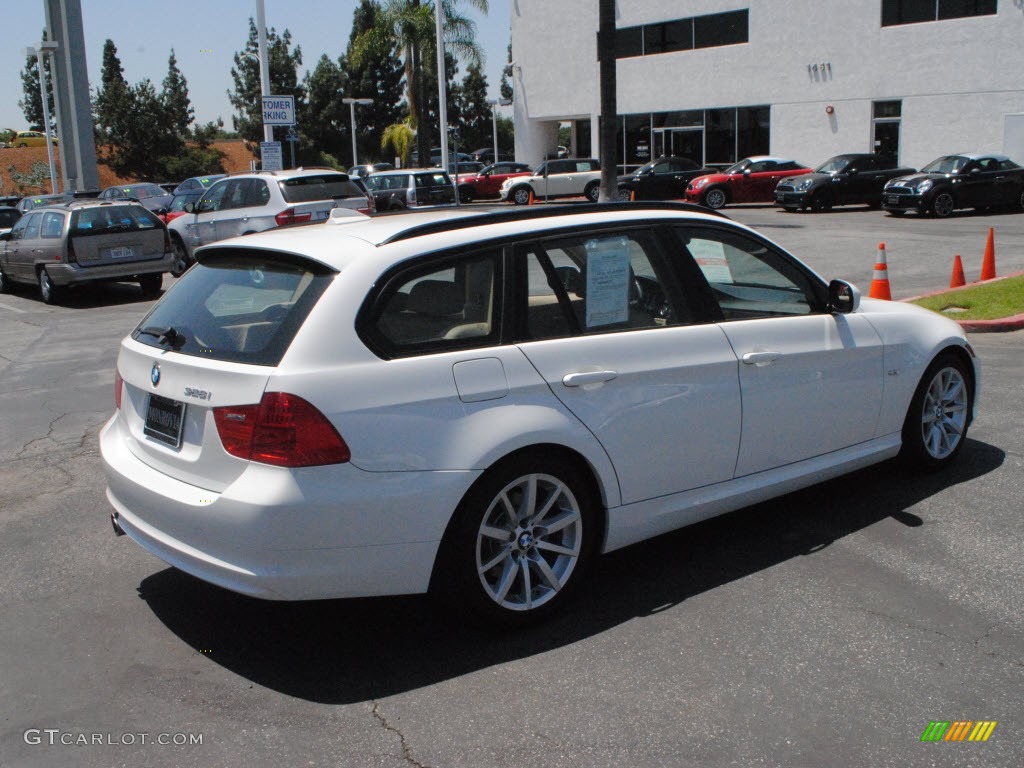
718 80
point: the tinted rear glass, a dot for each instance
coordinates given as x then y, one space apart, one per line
242 306
112 218
329 186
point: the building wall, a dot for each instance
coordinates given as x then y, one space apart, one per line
957 79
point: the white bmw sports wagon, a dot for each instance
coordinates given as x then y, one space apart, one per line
480 403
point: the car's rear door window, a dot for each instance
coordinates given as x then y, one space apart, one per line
328 186
238 305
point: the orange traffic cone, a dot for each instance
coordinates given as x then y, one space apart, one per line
988 265
532 199
880 280
958 273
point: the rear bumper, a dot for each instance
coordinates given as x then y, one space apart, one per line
314 533
62 273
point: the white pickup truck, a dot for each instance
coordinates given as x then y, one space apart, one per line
569 177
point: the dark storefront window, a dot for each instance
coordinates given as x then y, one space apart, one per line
668 37
708 31
753 131
720 29
720 136
629 42
896 12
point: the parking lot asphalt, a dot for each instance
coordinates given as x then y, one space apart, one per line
827 627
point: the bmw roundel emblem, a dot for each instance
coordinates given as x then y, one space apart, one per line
154 374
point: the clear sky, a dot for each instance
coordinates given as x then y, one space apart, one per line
205 34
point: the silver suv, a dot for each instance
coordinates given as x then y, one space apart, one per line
410 188
244 203
85 241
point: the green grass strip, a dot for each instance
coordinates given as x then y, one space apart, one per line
984 301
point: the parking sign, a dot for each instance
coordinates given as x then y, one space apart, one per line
279 110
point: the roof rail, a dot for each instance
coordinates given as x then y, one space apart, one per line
492 216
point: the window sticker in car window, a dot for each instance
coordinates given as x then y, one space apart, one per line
607 281
710 257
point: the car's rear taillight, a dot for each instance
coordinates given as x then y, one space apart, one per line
118 386
289 216
283 430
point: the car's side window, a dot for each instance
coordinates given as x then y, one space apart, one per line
32 227
53 224
594 283
18 230
257 194
446 305
213 199
747 278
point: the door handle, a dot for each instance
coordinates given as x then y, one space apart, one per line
761 358
581 379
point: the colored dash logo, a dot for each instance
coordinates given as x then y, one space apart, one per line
958 730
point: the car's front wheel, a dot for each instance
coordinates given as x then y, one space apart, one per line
715 198
940 413
521 195
522 540
466 194
943 205
822 201
592 192
181 258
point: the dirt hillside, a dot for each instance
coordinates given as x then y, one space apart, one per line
25 170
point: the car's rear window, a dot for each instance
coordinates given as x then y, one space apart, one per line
329 186
112 218
239 306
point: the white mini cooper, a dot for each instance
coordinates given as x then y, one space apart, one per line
479 404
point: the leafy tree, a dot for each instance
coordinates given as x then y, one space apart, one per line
140 140
410 26
399 138
175 98
324 118
378 75
247 96
32 104
505 87
474 111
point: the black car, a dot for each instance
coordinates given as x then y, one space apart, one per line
841 180
662 179
950 182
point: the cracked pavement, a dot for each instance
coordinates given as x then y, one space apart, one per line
825 628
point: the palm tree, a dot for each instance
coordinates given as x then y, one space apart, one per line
410 25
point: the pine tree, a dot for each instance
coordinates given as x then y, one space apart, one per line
475 112
324 118
247 97
175 98
112 105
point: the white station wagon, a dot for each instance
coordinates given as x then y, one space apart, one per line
478 404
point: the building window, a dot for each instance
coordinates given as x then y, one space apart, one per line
896 12
710 31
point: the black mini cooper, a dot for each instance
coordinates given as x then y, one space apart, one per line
950 182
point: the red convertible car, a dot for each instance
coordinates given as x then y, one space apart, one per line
751 180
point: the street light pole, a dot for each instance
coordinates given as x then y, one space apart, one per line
494 121
45 46
352 111
264 57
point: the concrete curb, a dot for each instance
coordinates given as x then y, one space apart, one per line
999 325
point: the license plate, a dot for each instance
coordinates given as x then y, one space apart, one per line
121 253
893 200
164 419
780 198
320 215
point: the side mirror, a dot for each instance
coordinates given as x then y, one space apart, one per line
5 236
190 207
746 172
843 297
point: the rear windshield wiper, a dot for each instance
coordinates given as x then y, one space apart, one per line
168 336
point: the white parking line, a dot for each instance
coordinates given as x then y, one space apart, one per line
13 309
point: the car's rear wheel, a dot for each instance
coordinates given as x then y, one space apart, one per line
522 540
181 258
592 192
1020 201
48 292
940 413
943 205
151 283
715 198
4 286
521 195
466 194
625 195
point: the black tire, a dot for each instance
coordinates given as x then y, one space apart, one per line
521 195
151 284
942 205
512 573
939 415
1020 201
466 194
822 201
182 261
48 292
625 195
716 198
592 191
5 284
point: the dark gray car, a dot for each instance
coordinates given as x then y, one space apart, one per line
85 241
